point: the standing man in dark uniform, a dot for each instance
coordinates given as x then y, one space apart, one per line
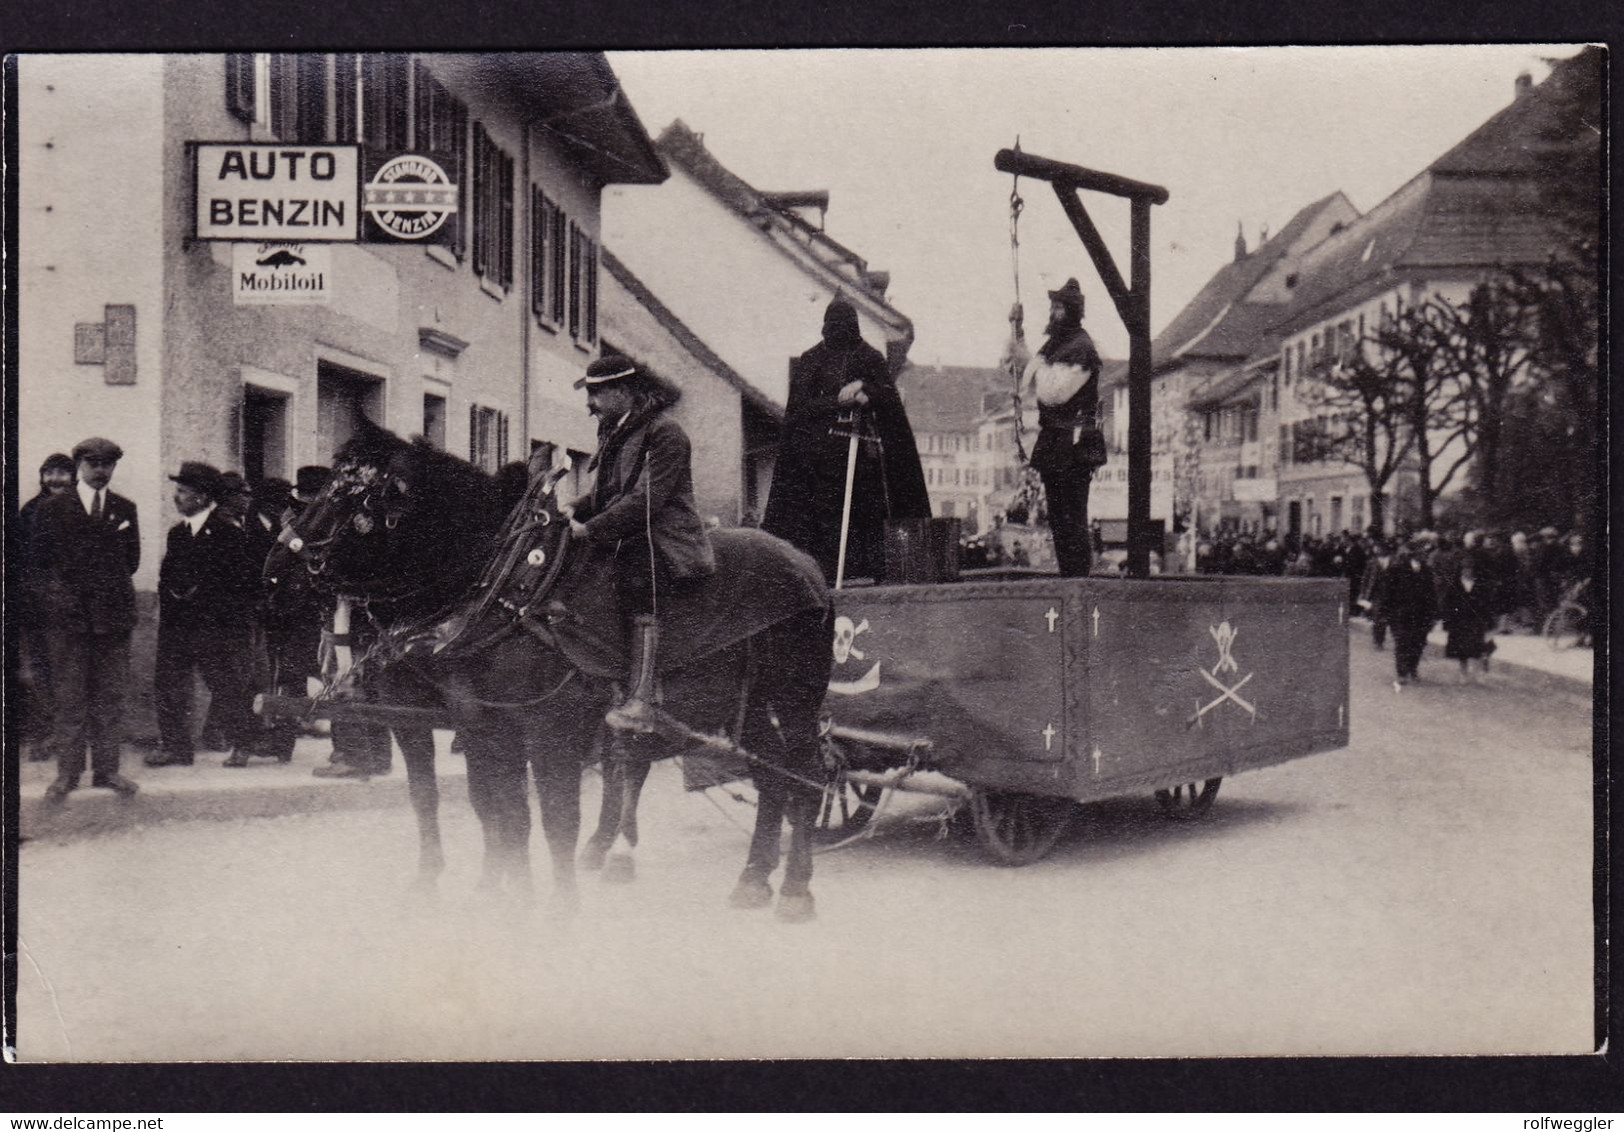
206 594
85 545
842 385
1064 376
641 508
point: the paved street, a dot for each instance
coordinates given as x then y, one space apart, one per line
1427 890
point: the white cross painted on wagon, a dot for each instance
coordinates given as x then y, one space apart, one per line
1048 737
1096 620
1096 757
1051 617
1223 636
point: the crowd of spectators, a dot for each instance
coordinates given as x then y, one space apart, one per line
219 620
1479 583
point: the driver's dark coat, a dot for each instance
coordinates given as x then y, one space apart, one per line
645 478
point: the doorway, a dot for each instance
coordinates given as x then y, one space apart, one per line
264 434
343 397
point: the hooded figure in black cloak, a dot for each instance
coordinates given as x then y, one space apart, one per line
840 384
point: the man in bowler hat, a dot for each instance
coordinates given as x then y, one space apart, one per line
85 544
206 595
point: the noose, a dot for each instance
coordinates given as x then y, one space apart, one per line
1016 354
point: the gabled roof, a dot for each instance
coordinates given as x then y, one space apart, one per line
1231 386
575 98
1219 322
1485 203
690 341
948 398
839 267
1531 134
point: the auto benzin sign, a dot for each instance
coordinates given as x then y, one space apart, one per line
274 192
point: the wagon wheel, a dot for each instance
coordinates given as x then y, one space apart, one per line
1017 829
1190 800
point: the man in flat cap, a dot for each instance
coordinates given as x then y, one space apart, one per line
641 509
206 595
85 545
1063 378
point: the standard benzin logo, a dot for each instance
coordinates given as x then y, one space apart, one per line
410 197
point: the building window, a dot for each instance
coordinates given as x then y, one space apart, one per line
385 102
487 438
546 267
949 508
434 420
583 286
440 127
493 210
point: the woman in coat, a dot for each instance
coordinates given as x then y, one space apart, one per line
1469 609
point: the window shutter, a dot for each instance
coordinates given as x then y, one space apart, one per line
505 234
473 434
344 92
240 85
591 291
575 281
459 142
501 440
559 266
480 222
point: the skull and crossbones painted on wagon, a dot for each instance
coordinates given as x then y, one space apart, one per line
846 634
1223 635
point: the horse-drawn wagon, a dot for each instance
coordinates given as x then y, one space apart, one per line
1040 692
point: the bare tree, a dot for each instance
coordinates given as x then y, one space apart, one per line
1361 417
1484 346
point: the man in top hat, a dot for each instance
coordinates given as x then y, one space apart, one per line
1064 377
84 546
839 387
641 510
307 484
206 594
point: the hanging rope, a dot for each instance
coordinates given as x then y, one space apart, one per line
1015 353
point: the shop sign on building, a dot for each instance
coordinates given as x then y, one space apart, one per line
281 274
272 192
1256 490
410 198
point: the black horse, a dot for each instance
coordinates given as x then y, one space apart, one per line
527 661
440 576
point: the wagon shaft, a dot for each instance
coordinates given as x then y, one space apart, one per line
348 711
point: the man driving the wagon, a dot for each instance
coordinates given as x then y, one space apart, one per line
641 511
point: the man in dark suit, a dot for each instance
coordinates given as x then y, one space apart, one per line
206 594
85 544
641 510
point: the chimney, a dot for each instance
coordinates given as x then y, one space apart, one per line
1240 242
1525 83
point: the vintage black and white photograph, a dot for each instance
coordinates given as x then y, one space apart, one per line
838 553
